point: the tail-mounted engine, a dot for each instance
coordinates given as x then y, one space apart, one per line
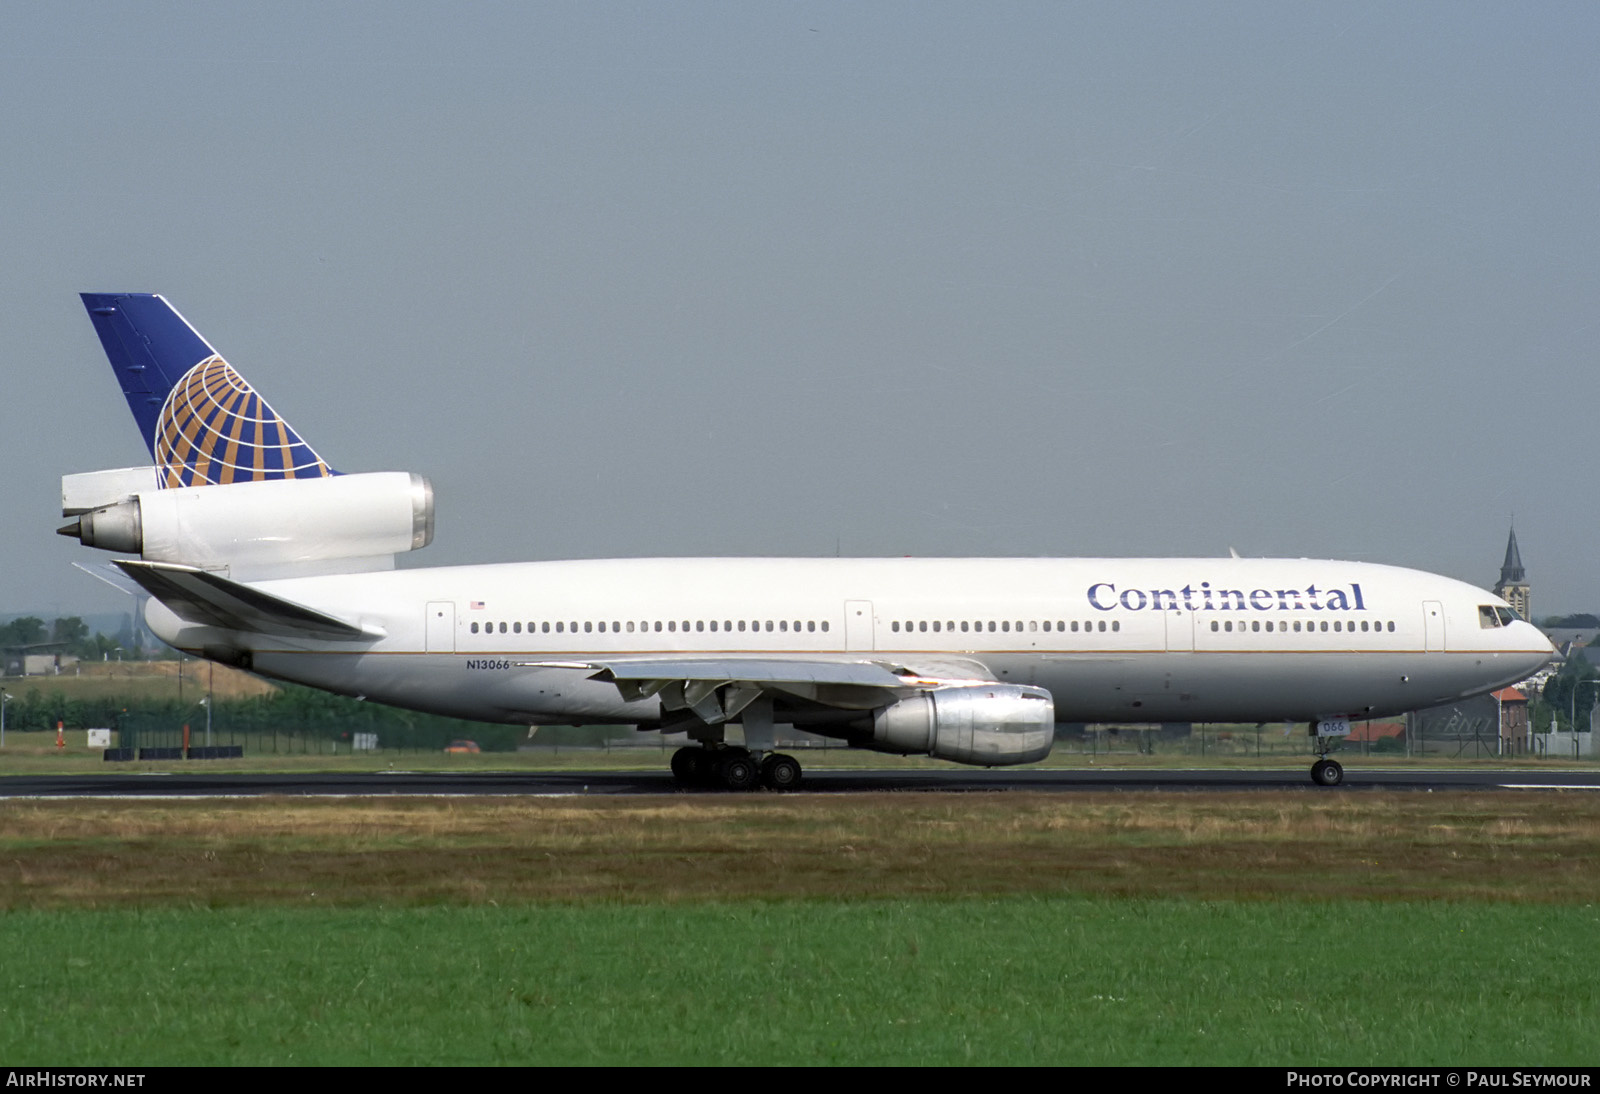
276 525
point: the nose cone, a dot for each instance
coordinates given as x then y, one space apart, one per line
1539 649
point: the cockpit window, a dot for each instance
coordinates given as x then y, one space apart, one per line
1507 616
1489 616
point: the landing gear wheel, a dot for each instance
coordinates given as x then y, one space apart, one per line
779 772
737 772
1327 773
689 765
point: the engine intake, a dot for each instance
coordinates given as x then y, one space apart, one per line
990 725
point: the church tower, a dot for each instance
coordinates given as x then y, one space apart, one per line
1513 583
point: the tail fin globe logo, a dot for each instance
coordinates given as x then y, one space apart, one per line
204 424
214 429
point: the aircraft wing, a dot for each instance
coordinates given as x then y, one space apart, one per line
717 688
209 599
735 669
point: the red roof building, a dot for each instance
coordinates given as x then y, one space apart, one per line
1514 721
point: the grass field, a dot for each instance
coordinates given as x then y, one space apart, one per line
1013 980
925 928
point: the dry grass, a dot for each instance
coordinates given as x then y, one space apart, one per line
1534 847
156 680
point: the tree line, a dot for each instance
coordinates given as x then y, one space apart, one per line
72 633
1568 698
291 711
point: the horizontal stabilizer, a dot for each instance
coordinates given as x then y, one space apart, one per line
112 576
211 600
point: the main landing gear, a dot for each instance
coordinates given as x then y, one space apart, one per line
732 768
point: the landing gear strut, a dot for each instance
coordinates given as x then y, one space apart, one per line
733 768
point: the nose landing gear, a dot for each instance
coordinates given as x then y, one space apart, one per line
1326 772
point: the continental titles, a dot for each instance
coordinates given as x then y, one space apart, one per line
1105 596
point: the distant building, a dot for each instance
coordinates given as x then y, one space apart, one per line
1563 637
39 659
1515 726
1377 733
1513 583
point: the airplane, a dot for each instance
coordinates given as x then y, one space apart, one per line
256 553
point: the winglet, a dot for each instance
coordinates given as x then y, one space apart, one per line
201 420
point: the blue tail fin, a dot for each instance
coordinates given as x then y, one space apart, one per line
202 421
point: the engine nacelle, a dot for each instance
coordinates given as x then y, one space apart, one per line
270 524
986 724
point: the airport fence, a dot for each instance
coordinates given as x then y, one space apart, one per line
300 721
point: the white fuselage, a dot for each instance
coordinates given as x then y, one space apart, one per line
1113 640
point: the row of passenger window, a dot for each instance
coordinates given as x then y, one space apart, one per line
670 626
922 626
1310 625
1003 625
811 626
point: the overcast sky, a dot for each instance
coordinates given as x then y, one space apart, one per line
792 278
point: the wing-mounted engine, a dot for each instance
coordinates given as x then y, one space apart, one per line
982 724
268 528
871 704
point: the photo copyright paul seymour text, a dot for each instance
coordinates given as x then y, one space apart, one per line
1438 1079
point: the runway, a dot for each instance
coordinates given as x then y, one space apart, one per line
624 783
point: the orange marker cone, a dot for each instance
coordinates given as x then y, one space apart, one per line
61 740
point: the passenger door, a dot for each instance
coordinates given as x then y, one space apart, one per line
441 626
858 625
1432 626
